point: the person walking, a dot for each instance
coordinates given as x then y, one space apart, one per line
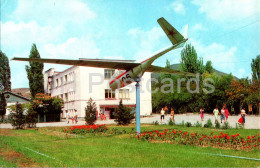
166 109
216 113
226 113
67 115
73 117
162 115
76 116
202 114
172 114
243 115
222 115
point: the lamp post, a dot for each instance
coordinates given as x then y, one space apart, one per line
137 115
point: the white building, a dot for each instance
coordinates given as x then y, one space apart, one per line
76 85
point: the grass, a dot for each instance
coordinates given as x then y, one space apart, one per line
55 149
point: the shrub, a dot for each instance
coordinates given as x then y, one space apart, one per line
83 129
31 117
171 122
206 125
217 125
188 124
209 123
123 114
182 123
225 125
156 122
90 112
198 124
17 119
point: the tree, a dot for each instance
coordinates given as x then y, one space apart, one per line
34 73
190 61
48 108
5 83
123 114
17 118
5 74
90 112
209 67
255 66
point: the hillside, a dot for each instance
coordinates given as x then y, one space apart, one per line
25 92
177 67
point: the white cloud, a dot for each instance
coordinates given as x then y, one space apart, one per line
53 11
227 10
73 48
222 58
21 35
146 41
198 27
178 7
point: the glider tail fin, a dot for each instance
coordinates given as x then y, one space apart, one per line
174 36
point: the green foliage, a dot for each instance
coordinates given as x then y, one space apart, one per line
34 73
226 125
31 117
90 112
190 61
209 67
17 119
5 74
217 125
208 124
255 66
188 124
49 106
156 122
198 124
171 122
5 81
123 114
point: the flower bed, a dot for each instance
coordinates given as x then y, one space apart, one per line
220 141
83 129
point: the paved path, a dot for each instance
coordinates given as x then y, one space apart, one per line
252 122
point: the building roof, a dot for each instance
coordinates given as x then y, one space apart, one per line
16 95
25 92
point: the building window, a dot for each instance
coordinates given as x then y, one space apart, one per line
109 73
109 94
66 97
57 82
124 94
65 78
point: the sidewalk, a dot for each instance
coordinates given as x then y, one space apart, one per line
252 122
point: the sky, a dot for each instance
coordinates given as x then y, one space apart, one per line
227 32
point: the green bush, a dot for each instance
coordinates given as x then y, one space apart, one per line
156 122
226 125
17 119
188 124
206 125
90 112
209 123
217 125
123 114
31 117
198 124
171 122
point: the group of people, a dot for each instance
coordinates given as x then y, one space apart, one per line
165 111
73 116
224 113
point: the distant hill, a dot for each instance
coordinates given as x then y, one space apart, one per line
177 67
25 92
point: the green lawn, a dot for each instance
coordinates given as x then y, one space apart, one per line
49 147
